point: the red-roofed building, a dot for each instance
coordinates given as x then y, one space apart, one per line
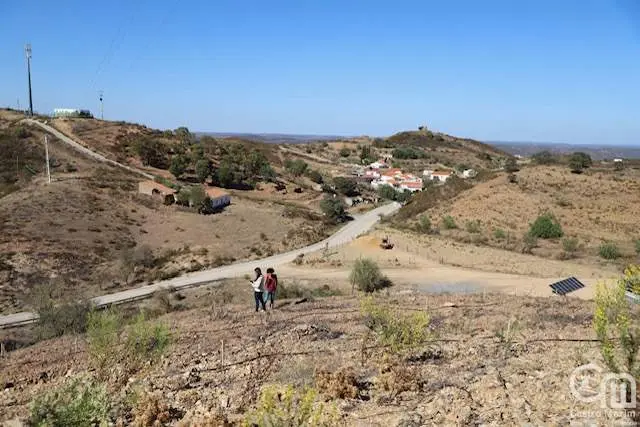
219 197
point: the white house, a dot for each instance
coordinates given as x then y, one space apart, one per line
469 173
441 176
412 186
219 198
378 165
617 160
65 112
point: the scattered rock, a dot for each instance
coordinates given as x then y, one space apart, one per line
412 419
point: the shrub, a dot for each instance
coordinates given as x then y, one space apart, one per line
333 209
366 276
512 178
617 325
78 402
296 167
341 384
345 152
546 227
103 335
609 251
529 241
570 245
278 406
146 340
499 234
58 318
473 226
399 331
638 246
424 224
315 176
151 409
449 223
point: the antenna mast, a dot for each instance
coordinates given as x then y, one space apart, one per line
101 94
27 51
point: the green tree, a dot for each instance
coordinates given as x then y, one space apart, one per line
407 153
225 175
579 161
367 154
179 165
403 196
511 165
346 186
151 152
203 169
183 133
334 209
543 158
387 192
197 153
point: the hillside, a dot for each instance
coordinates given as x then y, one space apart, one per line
89 232
487 362
596 208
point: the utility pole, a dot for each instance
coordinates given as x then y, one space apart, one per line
27 51
46 154
101 93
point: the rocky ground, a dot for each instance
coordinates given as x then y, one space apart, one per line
492 359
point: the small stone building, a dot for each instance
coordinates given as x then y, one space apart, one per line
155 189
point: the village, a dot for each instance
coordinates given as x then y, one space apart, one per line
380 173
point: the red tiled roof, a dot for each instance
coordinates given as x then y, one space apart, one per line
215 192
412 184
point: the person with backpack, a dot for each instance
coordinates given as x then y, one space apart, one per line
270 285
258 289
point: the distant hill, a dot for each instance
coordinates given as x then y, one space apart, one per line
274 138
597 152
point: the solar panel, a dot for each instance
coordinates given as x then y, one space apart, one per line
565 286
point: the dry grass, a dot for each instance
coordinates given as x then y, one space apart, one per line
460 383
592 207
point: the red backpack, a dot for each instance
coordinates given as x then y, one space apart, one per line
271 283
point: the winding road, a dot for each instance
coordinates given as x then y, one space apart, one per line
360 224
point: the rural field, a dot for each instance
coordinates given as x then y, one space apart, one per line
454 325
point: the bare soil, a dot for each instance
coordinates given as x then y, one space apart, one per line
494 359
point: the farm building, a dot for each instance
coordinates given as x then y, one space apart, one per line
219 198
155 189
71 112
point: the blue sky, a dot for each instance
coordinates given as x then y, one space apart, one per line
562 71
